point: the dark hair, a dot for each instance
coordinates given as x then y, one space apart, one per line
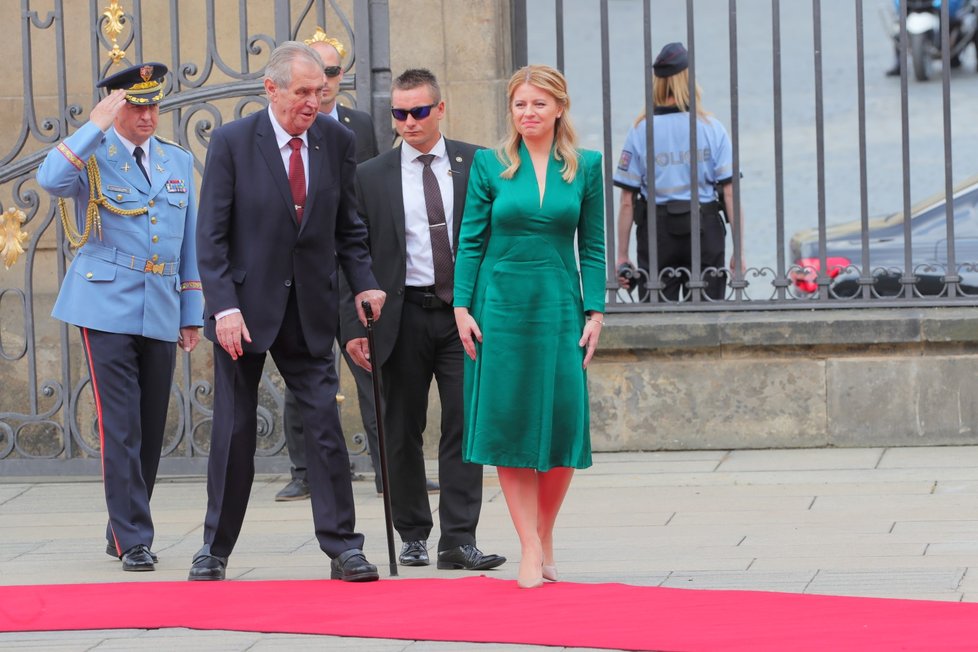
415 77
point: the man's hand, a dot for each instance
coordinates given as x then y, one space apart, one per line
189 336
230 329
468 331
359 350
376 300
104 113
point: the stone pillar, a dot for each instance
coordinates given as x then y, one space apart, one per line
466 43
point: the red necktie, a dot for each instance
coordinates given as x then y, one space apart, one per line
297 178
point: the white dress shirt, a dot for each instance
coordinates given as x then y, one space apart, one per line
282 137
420 268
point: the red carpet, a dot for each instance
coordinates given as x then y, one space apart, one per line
481 609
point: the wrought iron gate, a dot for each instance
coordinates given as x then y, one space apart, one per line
47 423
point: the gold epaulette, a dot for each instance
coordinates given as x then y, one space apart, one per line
170 142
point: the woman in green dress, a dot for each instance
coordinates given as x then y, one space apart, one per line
527 327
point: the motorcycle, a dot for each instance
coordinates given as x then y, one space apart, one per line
924 32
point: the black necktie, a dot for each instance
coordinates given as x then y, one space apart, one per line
138 153
441 249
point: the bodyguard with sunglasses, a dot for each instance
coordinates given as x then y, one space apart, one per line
411 200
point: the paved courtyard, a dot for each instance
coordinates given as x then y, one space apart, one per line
893 522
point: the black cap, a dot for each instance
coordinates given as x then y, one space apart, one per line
671 60
143 83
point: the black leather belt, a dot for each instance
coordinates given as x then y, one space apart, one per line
424 297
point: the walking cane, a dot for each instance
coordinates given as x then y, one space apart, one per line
381 444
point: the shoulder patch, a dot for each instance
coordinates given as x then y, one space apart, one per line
625 160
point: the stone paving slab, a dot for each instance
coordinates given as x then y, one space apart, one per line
883 522
941 457
901 581
789 582
814 459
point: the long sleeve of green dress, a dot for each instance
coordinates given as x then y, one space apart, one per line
526 402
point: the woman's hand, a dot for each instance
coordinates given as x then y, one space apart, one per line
468 331
591 335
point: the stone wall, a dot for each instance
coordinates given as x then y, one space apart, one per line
841 377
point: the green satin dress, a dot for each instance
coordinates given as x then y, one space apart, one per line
526 400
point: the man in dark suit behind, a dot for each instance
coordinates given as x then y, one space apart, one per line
332 51
411 200
278 214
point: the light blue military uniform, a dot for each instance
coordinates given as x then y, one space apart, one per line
108 287
130 289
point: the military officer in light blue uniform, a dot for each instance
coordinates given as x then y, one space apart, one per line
132 288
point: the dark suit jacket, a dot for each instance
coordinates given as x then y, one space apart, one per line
250 248
363 127
381 203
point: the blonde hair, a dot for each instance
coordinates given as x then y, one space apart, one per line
674 90
565 138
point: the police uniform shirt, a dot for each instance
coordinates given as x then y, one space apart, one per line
672 160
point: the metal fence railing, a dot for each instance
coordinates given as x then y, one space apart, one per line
47 420
823 141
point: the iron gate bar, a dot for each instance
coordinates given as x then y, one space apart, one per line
906 278
695 284
737 282
781 281
52 407
952 278
607 155
823 276
865 278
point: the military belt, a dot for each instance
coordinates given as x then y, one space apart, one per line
138 263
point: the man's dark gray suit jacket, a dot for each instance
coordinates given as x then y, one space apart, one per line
250 247
381 207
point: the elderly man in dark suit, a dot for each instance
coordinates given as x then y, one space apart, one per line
359 122
411 200
276 220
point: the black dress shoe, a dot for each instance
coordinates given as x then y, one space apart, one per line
414 553
207 567
111 552
431 486
137 559
468 557
298 489
352 566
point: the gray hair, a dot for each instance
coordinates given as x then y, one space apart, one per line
279 67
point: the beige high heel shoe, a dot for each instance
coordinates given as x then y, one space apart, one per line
531 584
550 572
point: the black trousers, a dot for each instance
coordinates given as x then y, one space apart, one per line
231 464
295 440
428 347
675 251
131 377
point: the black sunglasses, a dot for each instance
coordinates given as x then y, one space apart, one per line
418 112
332 71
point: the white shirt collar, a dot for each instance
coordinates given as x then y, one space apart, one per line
409 153
282 137
130 146
334 114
